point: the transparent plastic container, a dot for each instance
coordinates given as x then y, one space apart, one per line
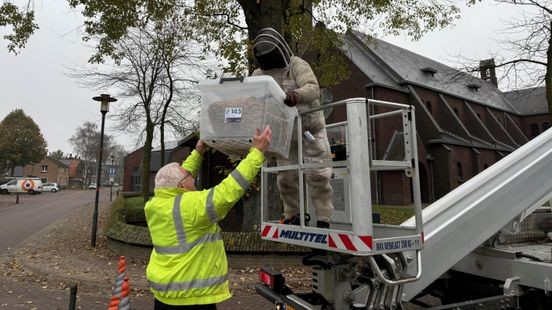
231 110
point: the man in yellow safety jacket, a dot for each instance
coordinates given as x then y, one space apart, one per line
188 266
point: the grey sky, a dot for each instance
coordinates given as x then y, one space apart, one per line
34 80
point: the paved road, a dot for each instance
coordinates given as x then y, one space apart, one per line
34 212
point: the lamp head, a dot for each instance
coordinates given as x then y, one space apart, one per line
105 99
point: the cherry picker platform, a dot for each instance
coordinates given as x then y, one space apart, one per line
462 236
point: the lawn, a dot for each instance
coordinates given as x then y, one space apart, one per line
393 214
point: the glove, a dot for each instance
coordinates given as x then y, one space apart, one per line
292 98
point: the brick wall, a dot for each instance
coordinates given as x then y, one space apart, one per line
132 164
537 120
441 169
396 188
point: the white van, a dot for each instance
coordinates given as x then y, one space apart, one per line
26 185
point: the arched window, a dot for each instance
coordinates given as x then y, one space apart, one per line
545 126
459 170
534 130
479 115
428 105
456 112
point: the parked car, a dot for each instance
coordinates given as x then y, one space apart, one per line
50 187
92 186
25 185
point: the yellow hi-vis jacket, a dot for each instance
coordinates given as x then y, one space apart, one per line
188 263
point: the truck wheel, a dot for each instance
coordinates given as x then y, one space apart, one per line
31 192
5 192
54 190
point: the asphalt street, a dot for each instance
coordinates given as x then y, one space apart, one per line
34 212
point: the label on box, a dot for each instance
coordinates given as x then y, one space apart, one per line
232 115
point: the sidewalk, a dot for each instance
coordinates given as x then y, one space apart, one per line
38 273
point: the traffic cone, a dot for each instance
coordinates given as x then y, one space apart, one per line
125 299
114 303
121 273
121 290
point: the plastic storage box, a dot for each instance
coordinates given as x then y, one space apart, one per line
231 110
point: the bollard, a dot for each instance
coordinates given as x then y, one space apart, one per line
16 198
73 297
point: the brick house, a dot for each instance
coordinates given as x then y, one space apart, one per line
464 123
83 172
75 171
48 169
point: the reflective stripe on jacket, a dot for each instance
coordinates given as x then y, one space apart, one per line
188 264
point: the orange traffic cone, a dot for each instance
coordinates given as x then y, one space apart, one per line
114 303
125 299
120 299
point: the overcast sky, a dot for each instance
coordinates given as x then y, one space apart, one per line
35 81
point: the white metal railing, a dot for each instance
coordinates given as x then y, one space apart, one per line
365 237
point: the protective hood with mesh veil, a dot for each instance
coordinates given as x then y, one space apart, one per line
271 50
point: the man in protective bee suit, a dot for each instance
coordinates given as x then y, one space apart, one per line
296 78
188 266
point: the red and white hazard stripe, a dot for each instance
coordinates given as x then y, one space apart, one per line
270 231
350 242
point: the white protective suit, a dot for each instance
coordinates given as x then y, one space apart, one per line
294 74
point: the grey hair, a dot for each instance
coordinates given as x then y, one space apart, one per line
169 176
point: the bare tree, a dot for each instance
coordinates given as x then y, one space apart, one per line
528 37
152 79
535 49
86 145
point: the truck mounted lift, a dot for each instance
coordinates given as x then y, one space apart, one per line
485 245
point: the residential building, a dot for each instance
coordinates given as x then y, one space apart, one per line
48 169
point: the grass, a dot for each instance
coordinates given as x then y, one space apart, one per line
393 214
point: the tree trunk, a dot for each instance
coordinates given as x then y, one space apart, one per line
258 15
548 76
164 115
146 162
162 137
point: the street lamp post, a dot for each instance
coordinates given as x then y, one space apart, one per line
104 108
111 180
